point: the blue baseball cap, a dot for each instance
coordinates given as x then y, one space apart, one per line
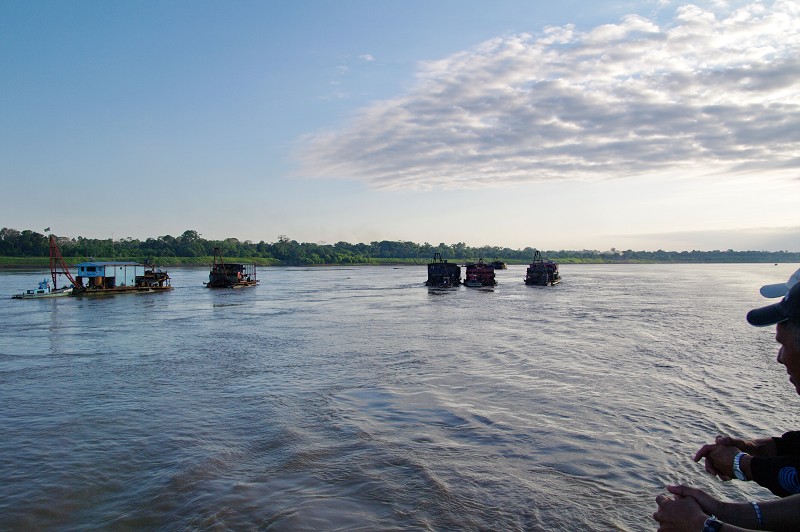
780 289
787 309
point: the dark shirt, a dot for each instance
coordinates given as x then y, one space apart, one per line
779 473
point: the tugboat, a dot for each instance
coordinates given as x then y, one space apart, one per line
480 274
57 267
442 274
44 290
231 275
542 272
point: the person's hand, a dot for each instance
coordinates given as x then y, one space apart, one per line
708 504
719 456
730 441
683 512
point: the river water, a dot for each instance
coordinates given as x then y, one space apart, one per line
358 399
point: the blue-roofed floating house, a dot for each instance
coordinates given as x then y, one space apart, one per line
113 277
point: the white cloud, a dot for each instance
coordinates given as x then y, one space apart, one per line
704 94
366 57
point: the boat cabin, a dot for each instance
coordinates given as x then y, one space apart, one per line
542 272
119 276
442 273
480 274
108 274
230 274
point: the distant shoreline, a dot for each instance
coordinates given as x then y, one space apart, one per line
24 263
29 249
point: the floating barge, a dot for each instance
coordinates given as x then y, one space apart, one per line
442 274
230 275
119 277
542 272
480 274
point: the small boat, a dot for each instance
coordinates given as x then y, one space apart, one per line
442 274
542 272
480 274
57 267
230 275
499 265
119 277
45 289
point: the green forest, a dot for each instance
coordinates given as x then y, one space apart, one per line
28 248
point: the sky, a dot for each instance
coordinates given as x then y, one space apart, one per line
571 125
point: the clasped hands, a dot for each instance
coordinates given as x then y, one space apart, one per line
720 454
689 507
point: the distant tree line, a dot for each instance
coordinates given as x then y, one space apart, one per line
190 245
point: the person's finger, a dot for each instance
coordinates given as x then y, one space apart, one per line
704 450
681 490
710 469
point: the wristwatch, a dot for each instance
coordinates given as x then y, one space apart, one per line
712 524
737 470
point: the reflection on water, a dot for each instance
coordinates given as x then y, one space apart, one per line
358 398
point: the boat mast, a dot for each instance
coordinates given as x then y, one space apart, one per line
56 262
218 258
219 265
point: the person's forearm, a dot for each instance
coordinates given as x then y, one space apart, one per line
776 514
781 514
764 447
742 515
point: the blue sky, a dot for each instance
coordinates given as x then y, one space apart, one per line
572 125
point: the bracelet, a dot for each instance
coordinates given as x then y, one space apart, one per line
736 469
759 515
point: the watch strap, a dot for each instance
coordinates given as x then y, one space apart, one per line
712 524
737 470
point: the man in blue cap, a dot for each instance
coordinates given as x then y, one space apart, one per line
772 462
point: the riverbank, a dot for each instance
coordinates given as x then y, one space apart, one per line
12 263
